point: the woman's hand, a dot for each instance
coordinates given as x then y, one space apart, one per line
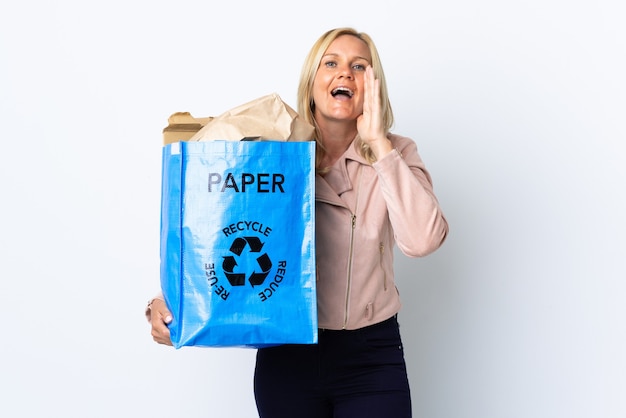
370 123
160 317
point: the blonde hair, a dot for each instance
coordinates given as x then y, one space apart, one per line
305 105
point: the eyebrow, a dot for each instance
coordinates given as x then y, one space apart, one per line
332 54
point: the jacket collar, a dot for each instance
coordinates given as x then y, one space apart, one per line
337 181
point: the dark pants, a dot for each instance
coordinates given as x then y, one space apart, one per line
348 374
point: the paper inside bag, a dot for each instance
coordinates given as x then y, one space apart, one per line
181 126
265 118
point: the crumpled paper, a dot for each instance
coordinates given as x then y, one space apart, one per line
265 118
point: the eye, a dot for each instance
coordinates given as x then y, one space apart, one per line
359 67
330 64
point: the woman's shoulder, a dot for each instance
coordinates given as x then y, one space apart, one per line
400 141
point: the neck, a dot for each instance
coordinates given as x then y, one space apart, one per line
336 138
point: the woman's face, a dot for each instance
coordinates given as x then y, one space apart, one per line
338 84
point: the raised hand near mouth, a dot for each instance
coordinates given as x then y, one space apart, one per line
370 123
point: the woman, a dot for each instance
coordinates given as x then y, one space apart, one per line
372 192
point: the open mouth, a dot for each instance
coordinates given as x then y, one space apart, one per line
342 91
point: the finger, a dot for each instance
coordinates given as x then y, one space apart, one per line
159 309
161 336
160 332
371 106
369 81
374 90
160 318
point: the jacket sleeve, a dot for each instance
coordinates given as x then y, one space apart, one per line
419 224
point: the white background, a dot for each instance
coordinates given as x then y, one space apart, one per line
518 109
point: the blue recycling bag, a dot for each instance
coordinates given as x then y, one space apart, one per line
237 243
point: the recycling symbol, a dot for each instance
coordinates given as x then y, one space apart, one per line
229 264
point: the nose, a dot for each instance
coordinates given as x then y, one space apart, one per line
345 71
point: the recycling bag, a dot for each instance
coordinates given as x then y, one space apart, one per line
237 243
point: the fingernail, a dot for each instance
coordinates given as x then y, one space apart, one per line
168 319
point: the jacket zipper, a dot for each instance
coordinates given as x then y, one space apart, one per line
353 220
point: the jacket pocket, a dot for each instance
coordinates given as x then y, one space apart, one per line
369 311
381 252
